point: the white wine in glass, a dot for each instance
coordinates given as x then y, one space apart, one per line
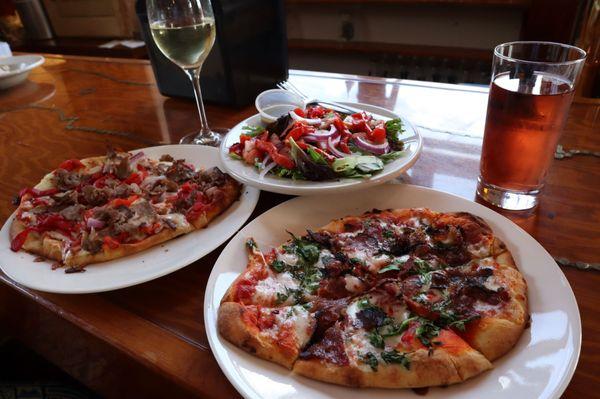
184 31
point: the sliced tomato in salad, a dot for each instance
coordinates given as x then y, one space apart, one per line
282 160
378 135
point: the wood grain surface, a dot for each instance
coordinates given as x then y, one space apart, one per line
150 339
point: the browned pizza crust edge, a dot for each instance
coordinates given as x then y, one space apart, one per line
51 248
231 326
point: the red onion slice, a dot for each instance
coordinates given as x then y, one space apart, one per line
335 140
137 156
364 144
95 223
298 118
265 161
266 170
333 150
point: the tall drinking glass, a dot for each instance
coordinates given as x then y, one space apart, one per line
184 31
530 95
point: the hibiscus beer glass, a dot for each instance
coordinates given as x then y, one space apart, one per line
530 95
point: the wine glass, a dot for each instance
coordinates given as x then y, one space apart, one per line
184 31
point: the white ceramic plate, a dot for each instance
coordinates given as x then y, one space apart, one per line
14 70
141 267
249 174
540 366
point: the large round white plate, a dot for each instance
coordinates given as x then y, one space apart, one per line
141 267
249 174
540 366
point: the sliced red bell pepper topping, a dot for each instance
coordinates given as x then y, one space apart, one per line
122 237
133 178
199 206
136 178
124 201
151 229
55 221
184 192
111 242
99 179
71 164
34 192
17 243
50 222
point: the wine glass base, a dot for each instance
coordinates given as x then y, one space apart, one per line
507 199
213 139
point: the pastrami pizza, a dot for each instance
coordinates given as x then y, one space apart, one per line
392 299
102 208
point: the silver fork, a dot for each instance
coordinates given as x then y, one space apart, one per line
289 86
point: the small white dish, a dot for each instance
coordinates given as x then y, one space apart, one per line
248 174
141 267
539 366
271 104
14 70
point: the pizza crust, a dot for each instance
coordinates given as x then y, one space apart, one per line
231 193
52 248
438 368
467 361
426 369
322 371
232 326
496 335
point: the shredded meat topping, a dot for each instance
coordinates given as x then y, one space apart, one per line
65 180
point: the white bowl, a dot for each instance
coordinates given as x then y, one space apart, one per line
14 70
271 104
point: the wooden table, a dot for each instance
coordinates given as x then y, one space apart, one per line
149 340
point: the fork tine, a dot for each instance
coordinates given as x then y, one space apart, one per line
286 85
294 89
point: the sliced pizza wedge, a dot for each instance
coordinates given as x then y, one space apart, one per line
485 302
296 272
275 334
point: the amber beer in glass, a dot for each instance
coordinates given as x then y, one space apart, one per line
530 95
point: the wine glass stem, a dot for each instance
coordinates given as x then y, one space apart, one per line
194 75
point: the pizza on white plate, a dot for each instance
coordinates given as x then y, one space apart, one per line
102 208
399 298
